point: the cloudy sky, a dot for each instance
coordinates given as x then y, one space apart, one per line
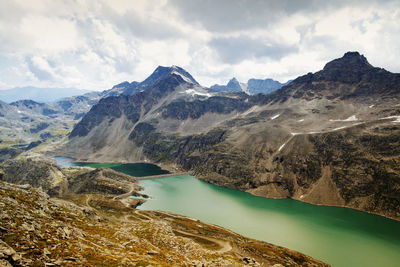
96 44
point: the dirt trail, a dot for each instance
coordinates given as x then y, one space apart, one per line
143 215
88 198
125 195
225 245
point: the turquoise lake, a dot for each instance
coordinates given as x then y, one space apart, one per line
339 236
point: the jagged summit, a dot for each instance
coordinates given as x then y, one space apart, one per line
253 86
349 61
348 69
162 72
234 85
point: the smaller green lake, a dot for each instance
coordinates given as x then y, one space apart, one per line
133 169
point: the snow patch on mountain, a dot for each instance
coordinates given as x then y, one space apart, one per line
351 118
275 116
186 79
282 146
193 92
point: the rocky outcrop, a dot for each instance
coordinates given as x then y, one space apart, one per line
103 181
58 181
182 110
36 173
9 153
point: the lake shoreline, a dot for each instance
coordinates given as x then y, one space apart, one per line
311 229
176 171
324 232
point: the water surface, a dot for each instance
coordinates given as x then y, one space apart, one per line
339 236
134 169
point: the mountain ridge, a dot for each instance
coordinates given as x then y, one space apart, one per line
245 141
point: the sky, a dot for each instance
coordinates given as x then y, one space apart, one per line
96 44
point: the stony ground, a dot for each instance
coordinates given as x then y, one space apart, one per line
104 230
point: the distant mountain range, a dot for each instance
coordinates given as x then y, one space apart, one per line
330 137
53 95
46 95
252 87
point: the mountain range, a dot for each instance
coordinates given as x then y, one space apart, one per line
330 137
252 87
46 95
326 138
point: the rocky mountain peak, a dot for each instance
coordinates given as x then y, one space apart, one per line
347 69
348 61
234 84
256 86
162 72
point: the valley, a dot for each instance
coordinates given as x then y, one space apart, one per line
329 138
199 133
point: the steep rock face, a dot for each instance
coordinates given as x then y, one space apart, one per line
183 110
131 106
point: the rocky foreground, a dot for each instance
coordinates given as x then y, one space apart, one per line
89 222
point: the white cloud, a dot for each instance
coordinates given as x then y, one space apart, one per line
96 44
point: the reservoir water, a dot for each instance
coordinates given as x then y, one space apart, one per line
134 169
339 236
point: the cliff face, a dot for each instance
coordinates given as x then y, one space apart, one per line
326 138
93 223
